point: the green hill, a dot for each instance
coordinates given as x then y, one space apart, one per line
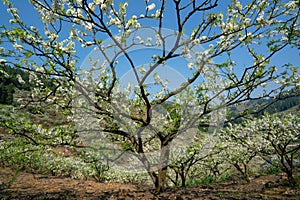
10 80
287 102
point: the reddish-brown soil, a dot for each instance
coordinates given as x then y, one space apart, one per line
33 186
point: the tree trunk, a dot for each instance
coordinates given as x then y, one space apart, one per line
244 172
183 179
162 175
158 176
163 167
147 166
290 177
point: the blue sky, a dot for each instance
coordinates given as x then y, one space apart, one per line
28 14
241 57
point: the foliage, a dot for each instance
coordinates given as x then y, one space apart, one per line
236 154
34 159
271 135
208 180
271 170
298 180
226 176
204 181
97 162
11 79
31 147
187 159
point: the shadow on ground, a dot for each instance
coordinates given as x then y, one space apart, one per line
38 187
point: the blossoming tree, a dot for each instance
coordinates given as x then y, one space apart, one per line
269 136
144 118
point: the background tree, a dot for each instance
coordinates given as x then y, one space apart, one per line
271 136
236 154
140 119
187 159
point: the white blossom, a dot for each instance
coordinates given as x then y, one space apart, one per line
150 7
103 7
157 78
13 21
34 29
142 70
247 21
92 6
89 26
292 5
158 14
238 5
137 26
190 65
196 42
203 37
99 2
17 46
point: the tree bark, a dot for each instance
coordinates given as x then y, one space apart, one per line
183 179
163 167
290 177
244 172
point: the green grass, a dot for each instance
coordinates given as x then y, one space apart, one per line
271 170
226 176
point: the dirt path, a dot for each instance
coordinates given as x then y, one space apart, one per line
32 186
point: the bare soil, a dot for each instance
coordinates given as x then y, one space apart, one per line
37 187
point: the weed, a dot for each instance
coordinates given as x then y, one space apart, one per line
208 180
203 181
226 176
271 170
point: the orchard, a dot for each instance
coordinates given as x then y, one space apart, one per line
151 90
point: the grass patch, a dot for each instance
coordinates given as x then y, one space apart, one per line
271 170
204 181
226 176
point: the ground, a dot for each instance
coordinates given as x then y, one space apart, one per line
36 187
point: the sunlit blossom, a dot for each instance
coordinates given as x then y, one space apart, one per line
150 7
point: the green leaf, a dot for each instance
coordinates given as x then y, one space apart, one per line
28 54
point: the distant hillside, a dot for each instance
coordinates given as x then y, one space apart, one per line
14 78
292 104
289 102
10 80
